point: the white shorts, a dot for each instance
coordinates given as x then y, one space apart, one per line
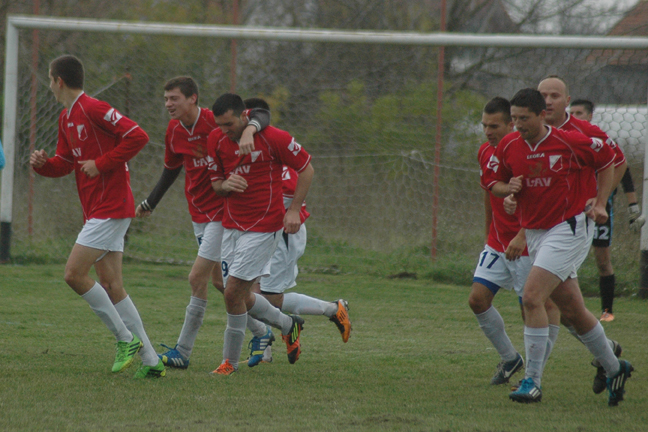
246 253
562 249
209 236
282 268
104 234
494 271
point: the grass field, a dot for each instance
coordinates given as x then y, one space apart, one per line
416 361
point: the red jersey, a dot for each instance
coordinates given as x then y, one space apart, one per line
552 183
289 177
504 227
188 147
592 131
260 208
93 130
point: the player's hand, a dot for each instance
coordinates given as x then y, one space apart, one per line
515 185
510 204
235 183
597 213
516 247
38 158
141 213
636 219
292 221
89 168
246 142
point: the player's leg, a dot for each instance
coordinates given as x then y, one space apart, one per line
109 271
91 245
570 300
602 253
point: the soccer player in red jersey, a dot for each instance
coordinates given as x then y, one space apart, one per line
96 141
254 220
505 262
583 109
556 95
543 167
186 146
283 271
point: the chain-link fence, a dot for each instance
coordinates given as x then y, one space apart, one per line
366 112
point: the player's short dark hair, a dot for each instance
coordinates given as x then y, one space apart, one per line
251 103
588 105
531 99
226 102
69 69
187 86
499 105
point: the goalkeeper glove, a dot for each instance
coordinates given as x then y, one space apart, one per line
636 219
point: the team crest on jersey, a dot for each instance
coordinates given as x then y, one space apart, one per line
294 147
83 132
255 155
555 163
597 144
493 163
113 116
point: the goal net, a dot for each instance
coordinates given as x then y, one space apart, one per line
366 111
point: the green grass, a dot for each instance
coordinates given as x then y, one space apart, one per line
416 361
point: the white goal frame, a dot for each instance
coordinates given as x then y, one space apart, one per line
17 22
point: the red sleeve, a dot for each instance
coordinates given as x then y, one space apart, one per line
63 162
131 137
596 132
496 170
291 153
172 160
216 171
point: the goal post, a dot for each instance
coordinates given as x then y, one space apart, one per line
404 166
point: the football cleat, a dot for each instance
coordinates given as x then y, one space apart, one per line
225 368
616 384
292 339
527 393
607 316
257 348
341 319
126 354
505 369
156 371
600 379
173 358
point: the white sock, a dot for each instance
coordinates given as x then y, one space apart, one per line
535 342
257 328
264 311
551 341
130 316
492 325
573 332
598 344
233 340
193 321
296 303
101 305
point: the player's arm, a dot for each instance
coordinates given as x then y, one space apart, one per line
259 119
60 165
605 178
234 184
516 246
131 138
502 189
488 215
619 172
292 220
167 178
